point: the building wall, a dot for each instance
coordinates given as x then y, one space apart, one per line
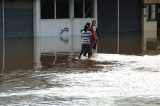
59 34
149 28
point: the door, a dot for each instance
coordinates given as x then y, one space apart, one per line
129 40
107 25
130 26
18 34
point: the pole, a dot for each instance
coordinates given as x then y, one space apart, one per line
118 30
3 64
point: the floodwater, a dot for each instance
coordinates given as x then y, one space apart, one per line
104 80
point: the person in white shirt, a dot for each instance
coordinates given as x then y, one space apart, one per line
95 36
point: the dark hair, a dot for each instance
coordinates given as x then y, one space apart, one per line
93 21
85 28
88 24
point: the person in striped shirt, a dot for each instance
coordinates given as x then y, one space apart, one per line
86 41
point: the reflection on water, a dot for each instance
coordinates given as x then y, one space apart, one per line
18 54
67 63
104 80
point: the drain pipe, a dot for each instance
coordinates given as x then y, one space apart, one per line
3 64
72 27
118 29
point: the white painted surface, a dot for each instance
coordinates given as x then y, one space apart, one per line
36 23
48 32
53 38
149 30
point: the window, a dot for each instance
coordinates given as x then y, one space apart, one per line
51 9
83 8
78 8
62 9
158 12
47 9
151 12
88 8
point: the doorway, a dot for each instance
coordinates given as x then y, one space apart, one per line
16 19
129 39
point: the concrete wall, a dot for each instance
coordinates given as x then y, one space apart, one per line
47 32
149 28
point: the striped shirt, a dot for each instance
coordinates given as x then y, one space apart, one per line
86 36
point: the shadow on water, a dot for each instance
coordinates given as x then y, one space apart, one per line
18 54
65 81
56 62
51 75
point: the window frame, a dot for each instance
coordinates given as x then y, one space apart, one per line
55 11
84 9
149 12
46 17
71 12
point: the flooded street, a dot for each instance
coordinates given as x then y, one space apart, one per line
104 80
